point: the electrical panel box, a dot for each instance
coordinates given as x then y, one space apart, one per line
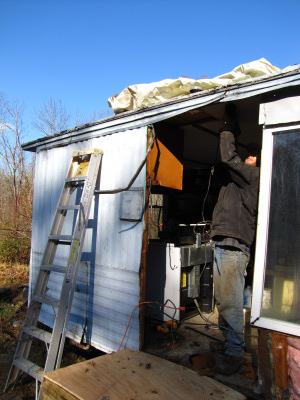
132 205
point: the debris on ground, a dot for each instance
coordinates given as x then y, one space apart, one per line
13 307
188 346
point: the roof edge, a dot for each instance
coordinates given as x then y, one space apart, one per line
78 130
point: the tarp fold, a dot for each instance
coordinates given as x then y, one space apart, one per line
144 95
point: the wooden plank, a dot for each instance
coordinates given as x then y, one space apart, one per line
129 374
279 347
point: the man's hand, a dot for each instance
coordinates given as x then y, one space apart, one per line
231 120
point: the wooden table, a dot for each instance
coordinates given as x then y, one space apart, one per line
131 375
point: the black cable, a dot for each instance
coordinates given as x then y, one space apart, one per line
172 321
182 322
208 187
219 326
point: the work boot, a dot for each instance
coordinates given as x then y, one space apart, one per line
217 347
228 365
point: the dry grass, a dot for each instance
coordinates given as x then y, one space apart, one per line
13 309
12 304
13 275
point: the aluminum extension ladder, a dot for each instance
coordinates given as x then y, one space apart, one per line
84 173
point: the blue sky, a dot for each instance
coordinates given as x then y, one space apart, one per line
84 51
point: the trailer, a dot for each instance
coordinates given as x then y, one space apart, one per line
148 233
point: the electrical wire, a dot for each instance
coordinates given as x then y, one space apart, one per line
148 302
218 327
203 222
154 304
142 303
208 187
172 321
114 191
212 170
208 323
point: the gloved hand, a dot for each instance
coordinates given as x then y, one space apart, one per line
231 120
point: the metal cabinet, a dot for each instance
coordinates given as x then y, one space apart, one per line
177 275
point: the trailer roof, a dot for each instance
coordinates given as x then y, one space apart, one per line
288 77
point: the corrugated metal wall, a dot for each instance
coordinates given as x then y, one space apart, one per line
107 287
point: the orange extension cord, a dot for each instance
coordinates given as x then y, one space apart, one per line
142 303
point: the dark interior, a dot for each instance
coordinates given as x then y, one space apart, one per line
183 217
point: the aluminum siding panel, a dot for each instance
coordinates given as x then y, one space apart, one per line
107 287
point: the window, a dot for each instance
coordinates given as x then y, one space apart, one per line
276 300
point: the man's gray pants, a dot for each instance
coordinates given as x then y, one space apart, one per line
229 281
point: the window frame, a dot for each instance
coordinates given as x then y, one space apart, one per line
262 236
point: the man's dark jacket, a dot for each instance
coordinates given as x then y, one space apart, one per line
235 212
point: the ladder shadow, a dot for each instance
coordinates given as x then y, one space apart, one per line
88 262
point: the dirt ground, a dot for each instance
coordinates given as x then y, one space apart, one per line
186 345
13 306
192 350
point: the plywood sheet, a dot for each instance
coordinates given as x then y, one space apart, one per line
129 374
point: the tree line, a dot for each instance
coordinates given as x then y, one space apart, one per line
17 170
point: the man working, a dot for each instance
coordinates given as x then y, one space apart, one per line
233 230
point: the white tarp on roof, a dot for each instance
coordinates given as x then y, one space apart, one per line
143 95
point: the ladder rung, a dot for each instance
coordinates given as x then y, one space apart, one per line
63 239
67 208
37 333
29 367
53 268
76 179
50 301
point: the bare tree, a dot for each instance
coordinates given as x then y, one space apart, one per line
80 119
53 117
16 173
